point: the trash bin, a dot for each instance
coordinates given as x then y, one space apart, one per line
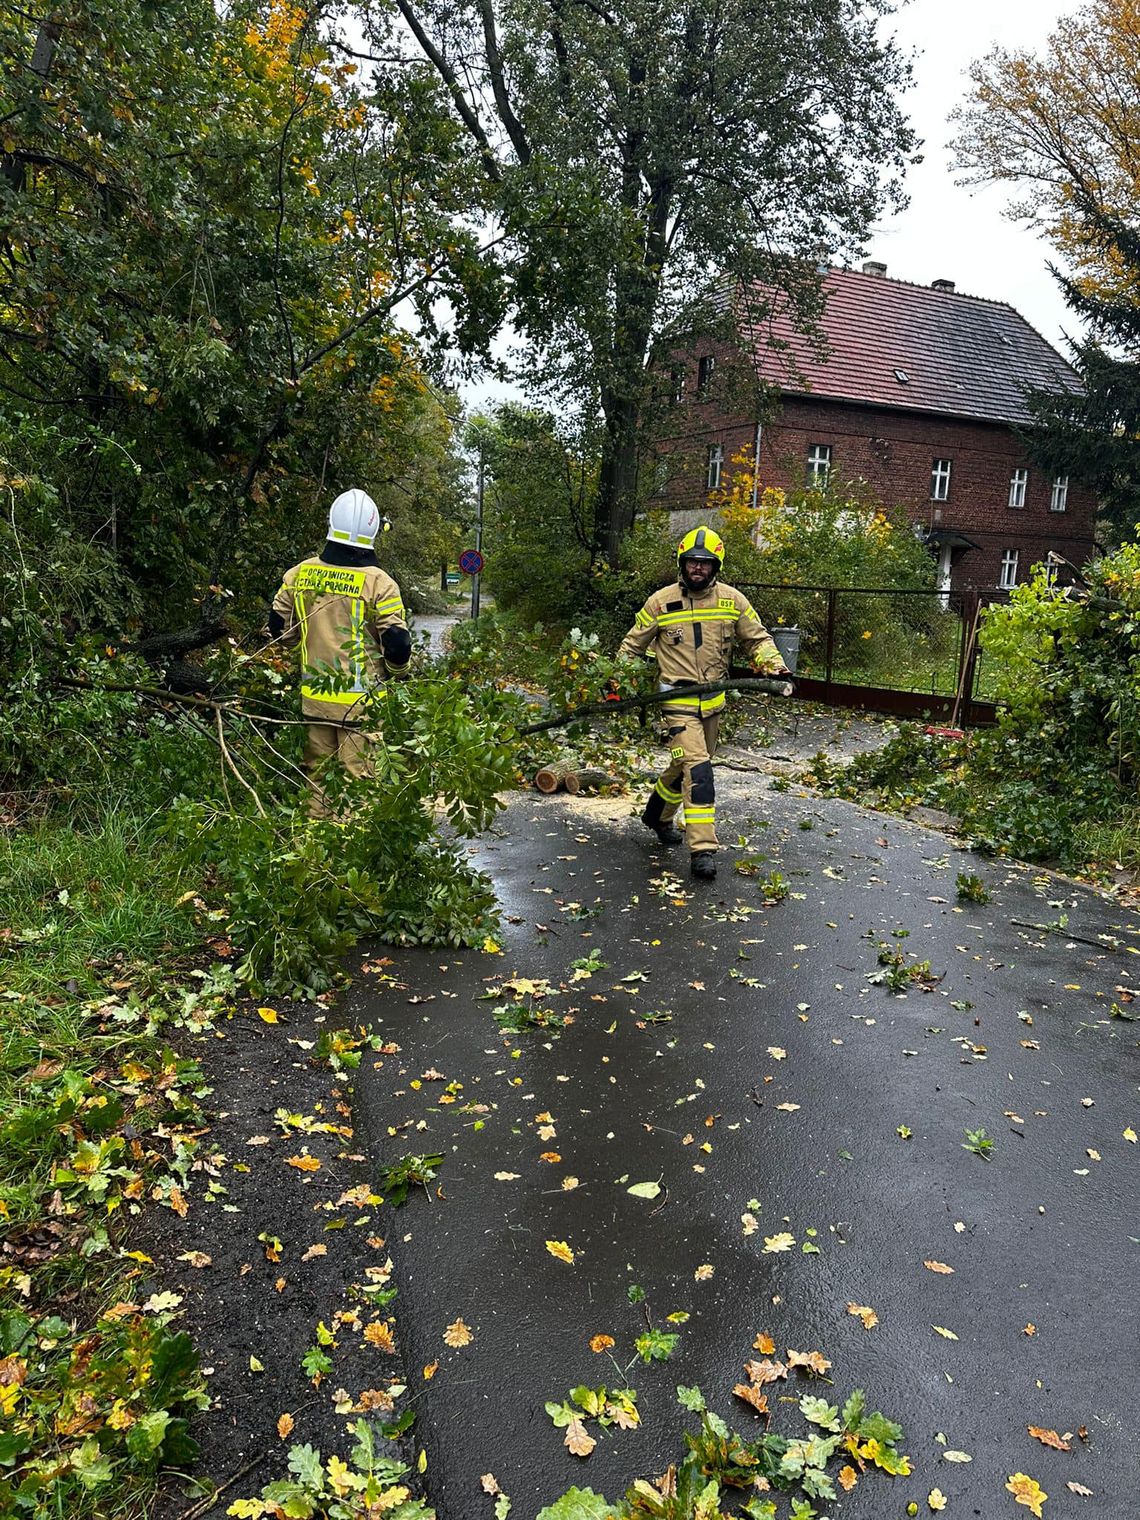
787 641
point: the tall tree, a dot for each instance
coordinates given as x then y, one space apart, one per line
207 222
641 151
1062 129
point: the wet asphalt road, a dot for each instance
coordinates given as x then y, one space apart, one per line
1016 1038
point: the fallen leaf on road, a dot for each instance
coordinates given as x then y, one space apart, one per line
956 1456
1049 1438
430 1371
773 1244
1030 1329
457 1334
848 1478
560 1249
284 1426
196 1258
813 1361
578 1439
750 1222
764 1343
601 1342
569 1184
765 1372
648 1190
1079 1488
777 1052
380 1334
304 1163
507 1176
938 1266
1130 1135
490 1484
936 1499
1027 1491
318 1250
551 1156
944 1333
865 1313
268 1015
753 1396
703 1273
787 1108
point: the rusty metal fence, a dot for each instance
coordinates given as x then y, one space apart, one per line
914 653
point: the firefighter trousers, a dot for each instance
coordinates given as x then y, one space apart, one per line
688 778
326 741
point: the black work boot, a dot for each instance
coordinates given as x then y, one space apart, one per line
667 833
703 865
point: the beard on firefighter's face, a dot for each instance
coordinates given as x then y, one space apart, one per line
697 573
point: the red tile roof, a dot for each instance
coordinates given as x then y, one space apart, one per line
960 355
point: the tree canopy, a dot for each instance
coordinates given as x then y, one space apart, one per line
639 152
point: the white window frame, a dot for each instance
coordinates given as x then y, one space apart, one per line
940 472
706 368
1007 577
819 465
1059 499
1018 486
676 385
715 466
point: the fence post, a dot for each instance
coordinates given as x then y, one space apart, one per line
829 657
970 654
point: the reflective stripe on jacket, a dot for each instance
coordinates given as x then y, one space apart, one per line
337 613
693 638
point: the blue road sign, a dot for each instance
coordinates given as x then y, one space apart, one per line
471 562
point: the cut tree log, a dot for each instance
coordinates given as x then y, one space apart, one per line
555 778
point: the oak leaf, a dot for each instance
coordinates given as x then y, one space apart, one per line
601 1342
305 1163
752 1395
703 1273
578 1439
490 1484
774 1244
561 1250
938 1266
766 1371
1027 1491
380 1334
551 1156
764 1344
284 1426
936 1499
1049 1438
947 1335
196 1258
1079 1488
847 1477
865 1313
814 1361
457 1334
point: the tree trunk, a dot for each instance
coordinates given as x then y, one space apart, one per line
617 481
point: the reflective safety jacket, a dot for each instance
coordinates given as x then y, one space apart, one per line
692 637
337 614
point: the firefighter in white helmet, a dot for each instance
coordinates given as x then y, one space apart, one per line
692 626
347 616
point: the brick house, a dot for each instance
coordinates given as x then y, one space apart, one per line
916 396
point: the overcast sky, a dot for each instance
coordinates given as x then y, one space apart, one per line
947 232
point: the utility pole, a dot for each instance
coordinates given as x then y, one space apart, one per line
478 533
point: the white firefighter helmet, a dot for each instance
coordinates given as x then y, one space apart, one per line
354 518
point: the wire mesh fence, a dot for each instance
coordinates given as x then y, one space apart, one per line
916 644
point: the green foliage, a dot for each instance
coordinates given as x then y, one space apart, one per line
977 1143
331 1488
656 1345
396 1180
970 888
1056 778
91 1410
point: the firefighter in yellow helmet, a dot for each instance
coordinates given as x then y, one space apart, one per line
692 626
347 616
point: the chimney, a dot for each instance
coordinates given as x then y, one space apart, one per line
872 266
946 285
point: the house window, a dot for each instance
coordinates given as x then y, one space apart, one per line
705 366
1060 496
940 480
1017 483
1008 577
818 465
716 459
676 384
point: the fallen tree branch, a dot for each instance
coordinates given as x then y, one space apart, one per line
772 688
